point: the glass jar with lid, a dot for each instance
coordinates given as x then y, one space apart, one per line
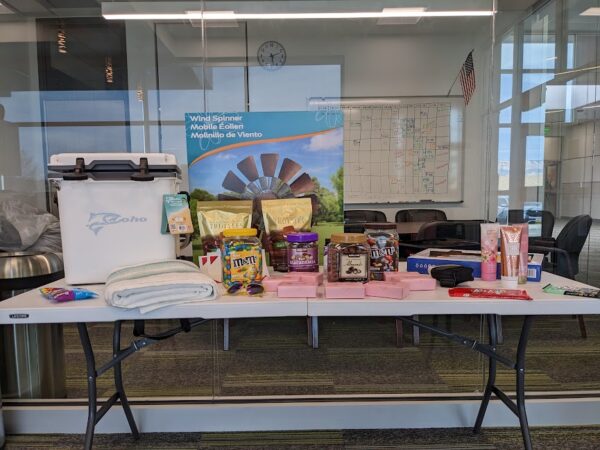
302 252
348 258
383 243
242 256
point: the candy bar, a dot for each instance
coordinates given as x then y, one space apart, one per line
396 290
344 290
289 289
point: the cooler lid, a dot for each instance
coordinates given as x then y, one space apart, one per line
111 165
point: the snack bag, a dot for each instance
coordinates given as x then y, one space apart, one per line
282 216
216 216
65 295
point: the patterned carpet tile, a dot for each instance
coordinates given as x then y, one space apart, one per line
555 438
356 355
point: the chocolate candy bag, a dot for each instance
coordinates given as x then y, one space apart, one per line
383 242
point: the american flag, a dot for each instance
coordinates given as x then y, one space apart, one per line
467 78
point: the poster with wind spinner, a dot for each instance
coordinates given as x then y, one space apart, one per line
268 155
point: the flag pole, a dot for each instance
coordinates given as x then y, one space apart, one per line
457 75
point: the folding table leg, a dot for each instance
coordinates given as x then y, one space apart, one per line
520 368
315 331
91 381
399 333
225 334
499 331
119 381
416 333
491 381
517 408
95 414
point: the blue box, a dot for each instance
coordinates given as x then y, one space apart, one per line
422 261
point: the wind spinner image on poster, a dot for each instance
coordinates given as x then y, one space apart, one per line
269 155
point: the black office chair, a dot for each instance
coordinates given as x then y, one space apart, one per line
465 230
420 215
364 215
456 235
563 255
522 216
354 220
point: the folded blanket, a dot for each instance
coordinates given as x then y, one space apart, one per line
158 284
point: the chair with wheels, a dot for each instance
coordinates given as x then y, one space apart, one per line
531 216
354 220
563 252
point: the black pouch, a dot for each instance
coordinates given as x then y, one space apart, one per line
451 275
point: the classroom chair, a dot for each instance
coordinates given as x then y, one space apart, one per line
420 215
563 252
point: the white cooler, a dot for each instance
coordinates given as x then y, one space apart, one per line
110 207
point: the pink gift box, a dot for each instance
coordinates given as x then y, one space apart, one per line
383 289
344 290
315 278
271 284
400 276
422 283
296 290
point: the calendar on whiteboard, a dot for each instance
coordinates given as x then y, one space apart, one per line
401 150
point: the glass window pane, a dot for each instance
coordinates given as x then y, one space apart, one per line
531 80
534 161
539 55
504 135
506 55
505 87
505 115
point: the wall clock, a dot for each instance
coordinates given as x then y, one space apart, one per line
271 55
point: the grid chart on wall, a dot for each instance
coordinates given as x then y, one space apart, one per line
402 150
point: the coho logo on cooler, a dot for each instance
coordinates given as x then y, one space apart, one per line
97 221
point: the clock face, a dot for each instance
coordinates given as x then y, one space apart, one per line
271 55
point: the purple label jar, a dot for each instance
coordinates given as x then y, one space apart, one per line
303 252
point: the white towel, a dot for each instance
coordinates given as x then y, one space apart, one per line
158 284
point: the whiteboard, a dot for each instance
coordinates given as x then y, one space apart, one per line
401 150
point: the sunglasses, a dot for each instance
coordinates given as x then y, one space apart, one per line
251 288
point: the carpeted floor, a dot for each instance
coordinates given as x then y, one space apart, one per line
357 356
564 438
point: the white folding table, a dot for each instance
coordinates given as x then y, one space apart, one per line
32 308
439 302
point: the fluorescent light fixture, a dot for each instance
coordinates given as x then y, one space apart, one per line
230 15
593 11
400 20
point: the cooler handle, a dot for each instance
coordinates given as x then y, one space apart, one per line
78 172
144 173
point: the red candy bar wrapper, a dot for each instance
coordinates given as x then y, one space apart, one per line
509 294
